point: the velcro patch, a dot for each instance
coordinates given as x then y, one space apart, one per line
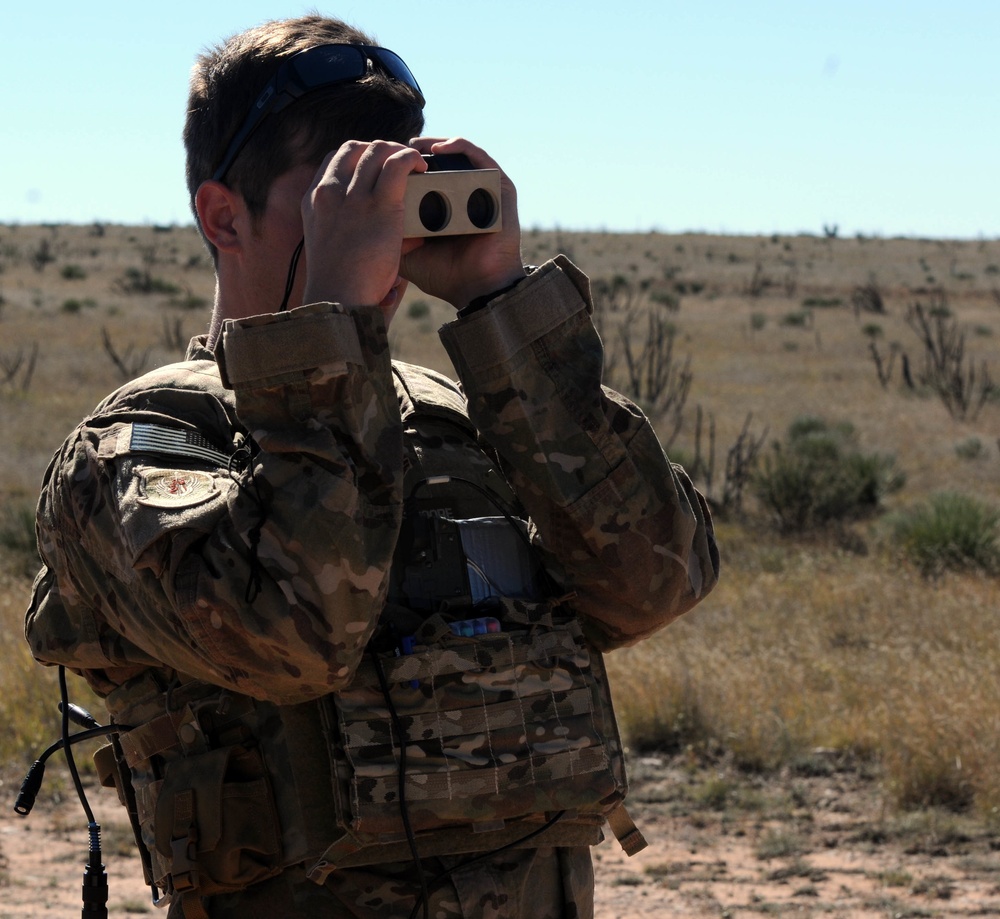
175 487
155 438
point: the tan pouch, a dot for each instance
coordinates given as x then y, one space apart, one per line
216 823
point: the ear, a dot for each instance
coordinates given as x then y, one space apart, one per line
219 209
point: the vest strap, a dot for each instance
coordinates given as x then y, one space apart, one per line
626 832
193 906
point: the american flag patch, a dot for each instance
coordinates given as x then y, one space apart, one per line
155 438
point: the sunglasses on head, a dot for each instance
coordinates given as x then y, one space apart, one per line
309 70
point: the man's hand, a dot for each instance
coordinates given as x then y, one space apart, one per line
352 219
458 269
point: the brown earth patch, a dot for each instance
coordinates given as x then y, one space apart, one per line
819 841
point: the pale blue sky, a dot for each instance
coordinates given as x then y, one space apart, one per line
742 117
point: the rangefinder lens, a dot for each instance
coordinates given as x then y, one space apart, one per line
434 212
481 208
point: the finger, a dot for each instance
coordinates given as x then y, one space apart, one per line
479 158
340 164
396 170
424 144
367 168
353 166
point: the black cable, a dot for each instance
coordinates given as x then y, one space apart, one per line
437 880
33 780
242 461
67 745
95 878
403 810
425 887
495 501
290 280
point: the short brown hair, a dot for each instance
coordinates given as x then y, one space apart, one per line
227 79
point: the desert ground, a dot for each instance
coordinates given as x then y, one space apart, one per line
820 736
720 845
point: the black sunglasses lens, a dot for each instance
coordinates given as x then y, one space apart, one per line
329 64
393 63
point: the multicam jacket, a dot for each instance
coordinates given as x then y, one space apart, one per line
234 518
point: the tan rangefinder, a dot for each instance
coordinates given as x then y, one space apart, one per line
452 198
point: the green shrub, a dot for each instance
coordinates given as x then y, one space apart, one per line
188 300
779 843
950 531
806 426
822 302
73 273
140 281
797 320
666 299
73 305
17 527
17 535
418 309
971 448
818 475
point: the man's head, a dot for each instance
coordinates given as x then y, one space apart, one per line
227 81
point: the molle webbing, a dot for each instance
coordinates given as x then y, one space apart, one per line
501 732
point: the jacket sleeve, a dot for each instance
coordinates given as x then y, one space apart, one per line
619 525
268 579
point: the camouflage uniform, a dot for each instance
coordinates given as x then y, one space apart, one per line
251 548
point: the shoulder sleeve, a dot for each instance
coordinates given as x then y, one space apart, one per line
620 525
265 573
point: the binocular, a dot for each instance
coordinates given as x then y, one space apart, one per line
452 198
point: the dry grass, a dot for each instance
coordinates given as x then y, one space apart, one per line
809 647
831 642
28 693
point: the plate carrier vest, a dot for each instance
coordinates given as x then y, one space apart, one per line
507 735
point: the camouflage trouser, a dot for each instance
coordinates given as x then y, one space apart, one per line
522 884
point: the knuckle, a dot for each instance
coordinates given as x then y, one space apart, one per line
327 191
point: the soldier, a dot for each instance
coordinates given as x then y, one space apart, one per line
347 615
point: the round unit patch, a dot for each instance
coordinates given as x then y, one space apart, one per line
175 487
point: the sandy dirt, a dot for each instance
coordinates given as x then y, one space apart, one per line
720 845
